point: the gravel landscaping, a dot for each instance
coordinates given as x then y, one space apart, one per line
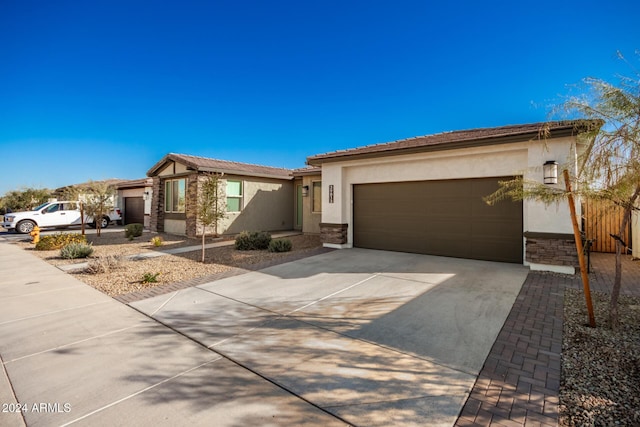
600 383
113 274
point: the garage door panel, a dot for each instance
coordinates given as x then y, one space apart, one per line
496 228
438 217
394 241
446 227
494 250
448 207
409 221
448 246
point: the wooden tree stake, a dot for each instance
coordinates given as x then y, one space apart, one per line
578 238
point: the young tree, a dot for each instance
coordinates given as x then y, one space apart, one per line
72 193
609 168
99 202
211 205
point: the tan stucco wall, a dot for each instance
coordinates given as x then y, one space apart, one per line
268 205
523 158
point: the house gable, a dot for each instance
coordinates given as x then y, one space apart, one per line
184 163
264 201
172 168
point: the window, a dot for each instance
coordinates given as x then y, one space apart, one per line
316 195
53 208
234 196
69 206
174 195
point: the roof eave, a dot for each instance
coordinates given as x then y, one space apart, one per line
479 142
310 172
245 173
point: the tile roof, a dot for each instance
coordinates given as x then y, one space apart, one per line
457 139
135 183
307 170
216 165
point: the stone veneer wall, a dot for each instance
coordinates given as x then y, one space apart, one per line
192 205
333 233
157 206
551 249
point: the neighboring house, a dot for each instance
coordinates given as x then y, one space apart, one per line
257 197
424 195
134 199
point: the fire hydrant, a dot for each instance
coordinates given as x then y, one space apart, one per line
35 235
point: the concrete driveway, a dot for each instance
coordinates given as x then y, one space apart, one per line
373 337
70 355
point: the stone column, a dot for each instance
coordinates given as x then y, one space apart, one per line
335 234
157 206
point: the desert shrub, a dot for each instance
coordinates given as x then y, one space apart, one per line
76 250
150 278
103 264
59 240
254 240
133 230
280 245
156 241
243 241
261 240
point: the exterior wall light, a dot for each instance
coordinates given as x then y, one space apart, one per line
550 172
305 191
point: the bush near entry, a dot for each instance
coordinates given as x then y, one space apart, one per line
133 230
254 240
280 245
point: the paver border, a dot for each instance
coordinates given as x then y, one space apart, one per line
519 383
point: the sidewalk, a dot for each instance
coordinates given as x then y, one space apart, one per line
520 381
72 355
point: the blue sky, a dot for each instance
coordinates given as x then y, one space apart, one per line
95 90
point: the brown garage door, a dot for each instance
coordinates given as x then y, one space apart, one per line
445 218
133 210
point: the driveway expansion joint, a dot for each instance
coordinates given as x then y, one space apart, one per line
48 313
132 395
243 366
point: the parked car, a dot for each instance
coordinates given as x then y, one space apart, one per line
54 214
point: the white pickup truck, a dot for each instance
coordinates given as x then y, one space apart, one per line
54 214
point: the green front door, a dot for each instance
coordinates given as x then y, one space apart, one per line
298 207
